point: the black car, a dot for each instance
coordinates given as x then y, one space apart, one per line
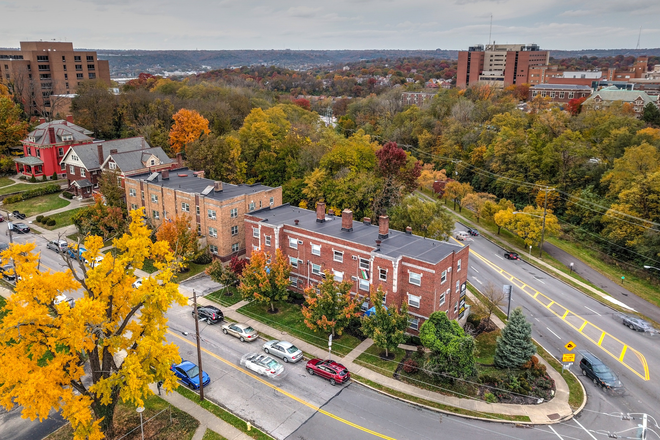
511 255
599 373
473 232
20 228
8 272
210 314
17 214
637 324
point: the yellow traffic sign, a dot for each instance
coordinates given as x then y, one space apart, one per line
570 346
568 357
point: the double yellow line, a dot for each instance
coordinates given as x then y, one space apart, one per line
280 390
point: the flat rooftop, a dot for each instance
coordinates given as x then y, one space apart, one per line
185 181
397 244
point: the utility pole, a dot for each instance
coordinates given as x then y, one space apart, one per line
545 209
199 349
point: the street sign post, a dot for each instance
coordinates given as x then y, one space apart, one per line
568 357
329 346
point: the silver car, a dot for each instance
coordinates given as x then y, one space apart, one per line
58 245
284 350
262 364
242 331
637 324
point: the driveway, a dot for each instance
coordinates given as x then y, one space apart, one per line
202 285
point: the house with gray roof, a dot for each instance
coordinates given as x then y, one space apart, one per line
603 98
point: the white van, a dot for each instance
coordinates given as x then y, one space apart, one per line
462 235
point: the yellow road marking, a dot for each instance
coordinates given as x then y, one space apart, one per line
270 385
602 336
623 352
566 313
549 305
584 324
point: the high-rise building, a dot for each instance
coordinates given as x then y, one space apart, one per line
500 65
45 72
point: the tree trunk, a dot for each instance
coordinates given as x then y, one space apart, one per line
272 306
106 413
387 353
454 204
498 230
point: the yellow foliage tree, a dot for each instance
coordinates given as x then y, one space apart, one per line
528 223
476 202
110 346
429 175
188 126
181 237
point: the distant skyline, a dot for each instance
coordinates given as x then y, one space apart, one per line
339 24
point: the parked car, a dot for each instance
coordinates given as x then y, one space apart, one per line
188 373
58 245
211 314
262 364
336 373
59 299
19 228
637 324
72 254
284 350
596 370
8 272
2 218
3 246
17 214
137 283
242 331
473 232
511 255
97 260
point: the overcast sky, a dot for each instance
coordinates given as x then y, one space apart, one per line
334 24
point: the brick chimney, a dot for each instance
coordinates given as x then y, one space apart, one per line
331 212
320 212
165 174
69 119
347 220
383 227
99 149
217 186
42 120
113 151
408 230
51 135
366 221
179 160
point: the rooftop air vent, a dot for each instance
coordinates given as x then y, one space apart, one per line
153 177
207 190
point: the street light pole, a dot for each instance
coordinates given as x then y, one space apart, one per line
199 349
545 208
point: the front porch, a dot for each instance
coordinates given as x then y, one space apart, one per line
29 166
81 188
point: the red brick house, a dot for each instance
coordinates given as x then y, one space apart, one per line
429 275
47 144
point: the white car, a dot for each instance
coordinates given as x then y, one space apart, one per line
138 283
96 261
59 299
262 364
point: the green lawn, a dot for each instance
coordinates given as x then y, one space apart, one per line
62 219
149 266
38 205
372 360
22 187
220 296
575 390
212 435
6 181
290 319
194 269
485 347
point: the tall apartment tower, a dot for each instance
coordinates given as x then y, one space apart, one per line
41 70
500 65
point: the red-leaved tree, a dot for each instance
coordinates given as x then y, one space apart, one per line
574 106
399 173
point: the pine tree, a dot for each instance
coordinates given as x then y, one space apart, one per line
387 326
514 345
651 114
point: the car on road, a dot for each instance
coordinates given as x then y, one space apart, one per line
462 235
71 254
284 350
242 331
599 373
59 299
336 373
19 228
58 245
97 260
137 283
210 314
511 255
17 214
188 373
3 246
8 272
262 364
473 232
637 324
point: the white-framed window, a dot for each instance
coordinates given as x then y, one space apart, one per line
62 167
133 206
255 232
272 200
456 307
363 284
155 214
82 172
267 240
142 194
293 243
443 296
251 206
294 281
316 249
112 165
152 162
154 198
132 192
570 95
234 230
561 95
443 278
458 266
413 323
213 232
234 247
60 151
364 263
213 248
338 276
382 274
185 207
211 214
293 261
233 213
74 157
316 269
414 301
458 286
338 256
72 169
415 278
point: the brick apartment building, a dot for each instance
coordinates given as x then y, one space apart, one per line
40 70
500 65
608 95
429 275
561 93
216 209
593 78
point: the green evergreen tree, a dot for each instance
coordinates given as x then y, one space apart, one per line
514 345
387 326
452 351
651 114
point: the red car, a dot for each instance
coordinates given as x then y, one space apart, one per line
331 370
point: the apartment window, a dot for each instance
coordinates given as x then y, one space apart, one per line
443 295
211 214
90 58
133 206
338 256
60 151
199 229
93 76
570 95
213 248
251 206
42 57
47 86
90 67
443 278
382 274
43 67
66 76
142 195
272 200
413 301
64 68
415 278
234 247
293 261
72 170
255 232
154 198
82 170
213 232
456 307
316 269
79 76
294 281
293 243
155 214
79 67
458 286
413 323
44 76
63 59
364 263
561 95
185 207
316 249
233 213
132 192
338 276
363 284
267 240
234 230
197 209
458 266
76 58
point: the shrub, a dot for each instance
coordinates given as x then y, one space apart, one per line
410 366
33 179
12 199
39 218
490 398
67 195
202 257
488 379
44 220
22 178
54 176
44 178
7 165
31 193
51 222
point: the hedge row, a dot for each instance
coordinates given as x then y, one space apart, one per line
31 193
47 221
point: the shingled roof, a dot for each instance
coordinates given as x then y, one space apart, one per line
135 160
89 153
63 131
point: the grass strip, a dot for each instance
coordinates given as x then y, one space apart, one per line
62 219
575 390
440 406
212 435
223 414
498 312
221 297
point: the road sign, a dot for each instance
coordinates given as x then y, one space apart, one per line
570 346
568 357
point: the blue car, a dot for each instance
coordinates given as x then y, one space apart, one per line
188 373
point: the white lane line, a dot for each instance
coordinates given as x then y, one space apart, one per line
553 430
585 429
474 269
477 280
537 319
539 280
553 333
499 257
593 311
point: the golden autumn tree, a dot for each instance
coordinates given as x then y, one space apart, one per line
331 308
110 346
428 176
188 126
181 238
264 279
